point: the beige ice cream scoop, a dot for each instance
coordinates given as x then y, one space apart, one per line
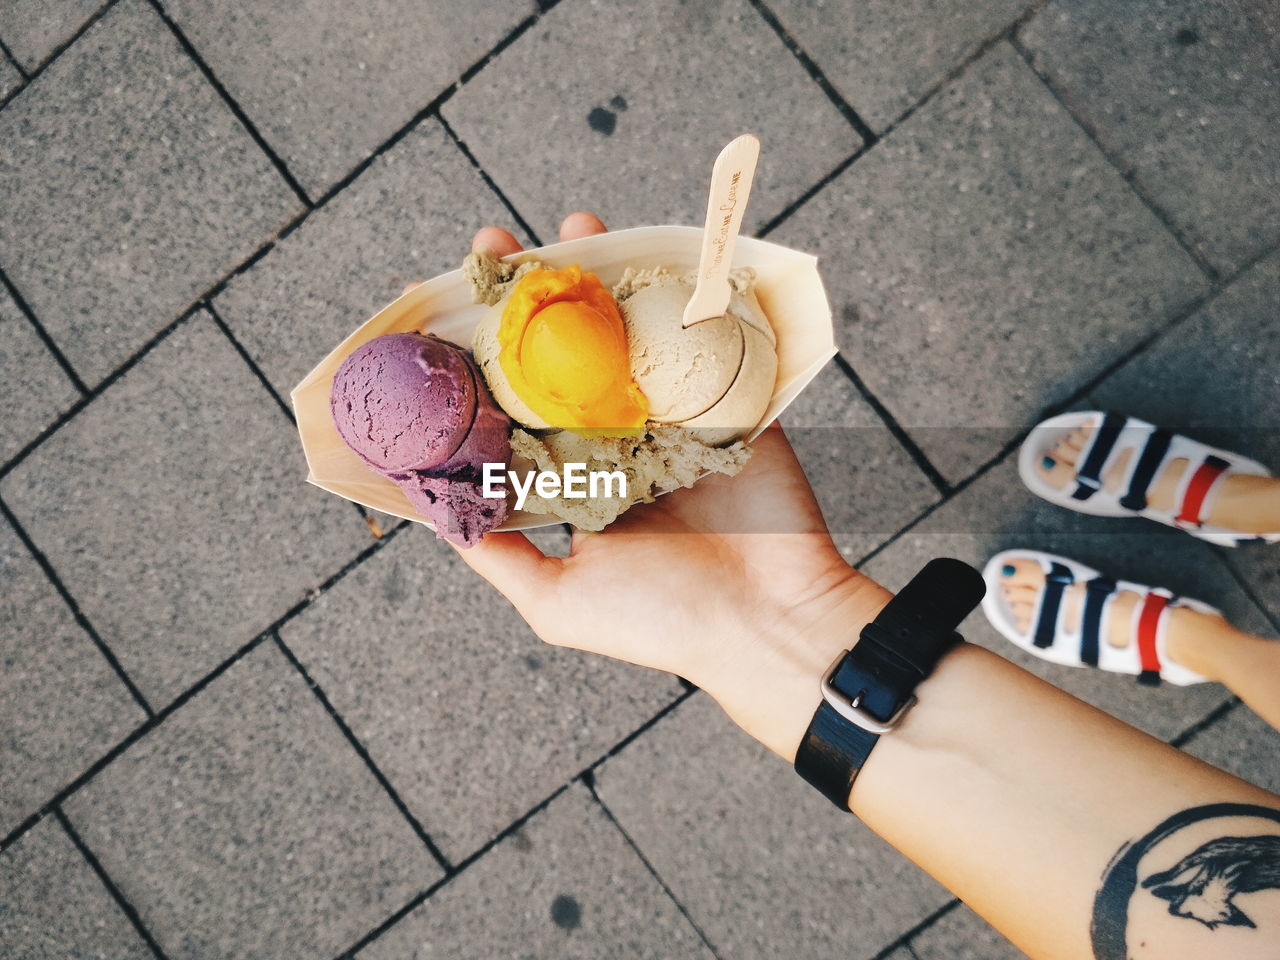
682 371
716 376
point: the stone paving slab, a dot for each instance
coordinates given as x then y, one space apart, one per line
52 904
737 838
247 826
1183 93
884 55
127 187
183 527
984 261
1241 743
997 513
566 885
963 935
867 483
324 89
409 217
64 707
624 114
1217 377
33 29
471 717
33 388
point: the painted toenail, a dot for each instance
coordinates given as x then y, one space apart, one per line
1048 463
1008 570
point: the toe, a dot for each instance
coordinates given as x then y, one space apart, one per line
1021 613
1021 572
1057 466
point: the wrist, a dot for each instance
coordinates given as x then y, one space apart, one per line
773 693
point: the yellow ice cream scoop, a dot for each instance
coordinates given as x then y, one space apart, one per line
563 351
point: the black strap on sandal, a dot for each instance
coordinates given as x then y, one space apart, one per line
1144 473
1089 476
1055 581
1095 598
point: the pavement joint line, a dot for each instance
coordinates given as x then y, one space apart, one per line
1005 32
484 175
431 109
56 52
911 951
173 706
423 896
1180 316
904 939
586 776
810 193
1127 173
232 105
94 392
50 344
363 751
8 55
899 432
589 781
130 739
249 361
816 74
83 621
1205 722
117 895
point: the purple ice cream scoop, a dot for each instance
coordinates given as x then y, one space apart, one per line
415 409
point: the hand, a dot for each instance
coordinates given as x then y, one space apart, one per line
681 584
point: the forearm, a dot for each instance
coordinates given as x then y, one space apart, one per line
1013 794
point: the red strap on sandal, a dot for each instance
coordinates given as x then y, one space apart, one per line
1201 481
1148 623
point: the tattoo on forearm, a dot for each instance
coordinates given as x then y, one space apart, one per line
1188 881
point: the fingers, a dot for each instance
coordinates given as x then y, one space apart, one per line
501 243
495 240
515 567
580 224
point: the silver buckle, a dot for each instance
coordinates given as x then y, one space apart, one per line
850 709
1089 482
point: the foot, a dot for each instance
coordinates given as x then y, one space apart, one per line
1187 630
1246 504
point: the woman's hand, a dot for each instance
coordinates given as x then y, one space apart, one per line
733 583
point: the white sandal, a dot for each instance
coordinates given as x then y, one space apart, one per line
1049 639
1152 449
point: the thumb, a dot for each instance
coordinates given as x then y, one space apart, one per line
514 566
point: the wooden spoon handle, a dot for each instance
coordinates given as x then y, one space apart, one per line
730 188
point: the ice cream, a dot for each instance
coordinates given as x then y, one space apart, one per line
555 354
716 377
662 458
414 408
559 352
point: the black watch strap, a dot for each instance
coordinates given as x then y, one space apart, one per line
869 688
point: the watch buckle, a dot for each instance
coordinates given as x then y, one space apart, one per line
851 710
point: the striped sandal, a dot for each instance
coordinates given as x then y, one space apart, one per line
1050 639
1152 449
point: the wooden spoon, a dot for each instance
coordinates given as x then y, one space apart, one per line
730 188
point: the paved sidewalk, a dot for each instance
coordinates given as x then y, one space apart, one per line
234 722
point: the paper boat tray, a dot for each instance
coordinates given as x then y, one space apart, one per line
789 288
